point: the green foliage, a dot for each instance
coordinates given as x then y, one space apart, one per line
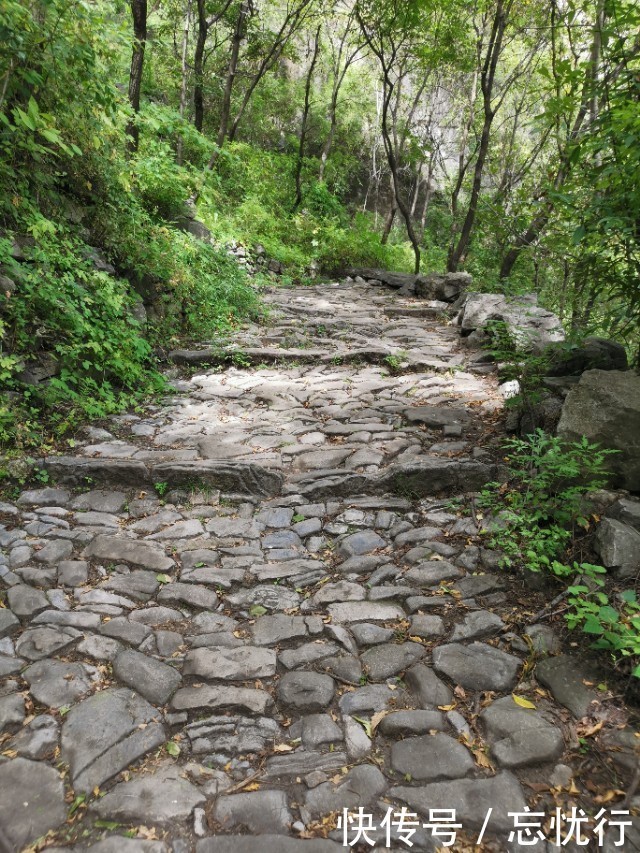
616 625
539 507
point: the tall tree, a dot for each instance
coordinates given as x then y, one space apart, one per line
139 14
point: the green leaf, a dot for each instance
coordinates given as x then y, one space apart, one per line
173 748
163 578
257 610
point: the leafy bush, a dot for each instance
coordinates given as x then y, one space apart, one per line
537 510
617 628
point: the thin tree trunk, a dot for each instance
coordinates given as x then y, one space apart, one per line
388 223
139 13
588 104
198 67
458 251
184 74
305 119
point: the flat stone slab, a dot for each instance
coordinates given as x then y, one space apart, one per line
471 798
232 735
358 788
364 611
31 802
389 659
257 811
119 549
105 733
477 666
239 664
306 692
564 676
154 680
520 736
431 758
219 697
160 798
57 683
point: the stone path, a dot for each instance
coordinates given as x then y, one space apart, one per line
265 603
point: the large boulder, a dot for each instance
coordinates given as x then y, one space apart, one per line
529 326
605 407
591 354
446 287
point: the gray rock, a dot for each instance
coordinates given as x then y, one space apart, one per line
138 585
57 683
38 643
54 552
12 712
269 630
268 844
70 618
369 699
25 601
232 664
359 788
319 729
155 616
364 611
477 586
360 543
125 630
214 698
520 736
302 762
194 595
344 667
591 354
154 680
472 800
390 659
371 635
544 640
477 625
605 407
100 500
427 626
306 654
232 735
529 326
38 739
401 723
276 517
107 732
626 510
305 692
8 623
44 497
31 802
431 758
477 666
266 595
257 811
119 549
73 572
564 676
429 689
356 739
160 798
618 545
431 572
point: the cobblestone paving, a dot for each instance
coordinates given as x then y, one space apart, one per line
230 620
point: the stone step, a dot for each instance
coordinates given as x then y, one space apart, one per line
244 478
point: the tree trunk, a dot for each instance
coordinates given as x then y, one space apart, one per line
458 251
139 13
198 67
184 73
305 119
388 223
